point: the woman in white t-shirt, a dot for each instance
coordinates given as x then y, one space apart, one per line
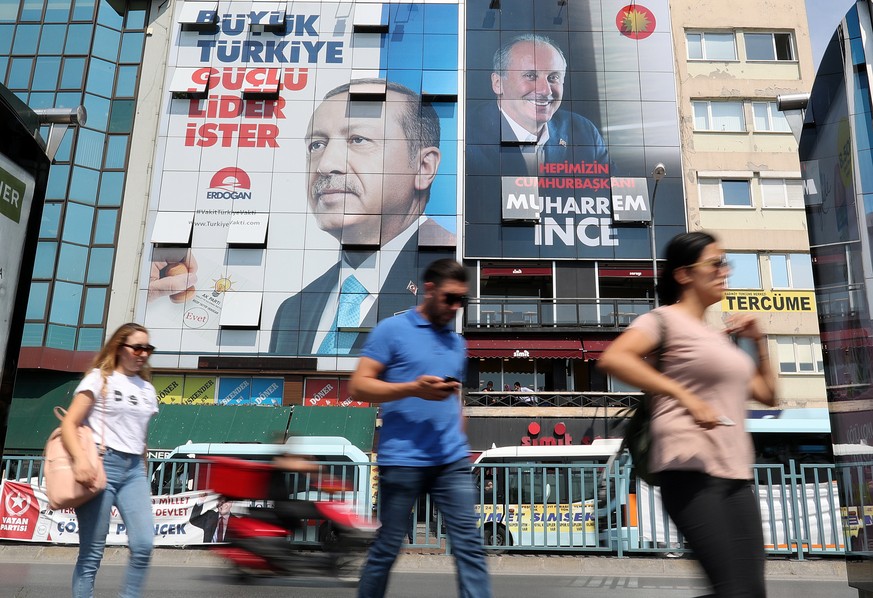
116 399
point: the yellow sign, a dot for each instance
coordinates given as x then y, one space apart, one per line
169 389
770 301
540 518
199 390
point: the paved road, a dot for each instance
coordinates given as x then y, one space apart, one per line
44 572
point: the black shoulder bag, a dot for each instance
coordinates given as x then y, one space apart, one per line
637 432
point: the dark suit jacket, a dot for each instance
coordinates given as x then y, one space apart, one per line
572 138
207 521
296 323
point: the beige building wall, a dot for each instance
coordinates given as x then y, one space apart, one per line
753 155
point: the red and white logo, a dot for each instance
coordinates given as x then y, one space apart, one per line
19 511
230 183
635 21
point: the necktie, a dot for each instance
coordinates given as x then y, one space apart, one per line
348 315
219 531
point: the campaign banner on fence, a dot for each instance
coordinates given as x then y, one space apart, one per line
305 153
198 517
569 109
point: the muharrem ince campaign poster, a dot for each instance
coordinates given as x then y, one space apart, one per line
569 107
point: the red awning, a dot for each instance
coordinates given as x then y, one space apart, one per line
593 348
625 272
526 348
516 271
846 339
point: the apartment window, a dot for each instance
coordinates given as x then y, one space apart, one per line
769 46
719 116
718 193
744 273
782 193
711 46
799 355
791 271
767 117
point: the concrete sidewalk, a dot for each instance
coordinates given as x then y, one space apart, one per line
415 560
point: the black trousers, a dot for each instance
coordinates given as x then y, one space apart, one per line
721 521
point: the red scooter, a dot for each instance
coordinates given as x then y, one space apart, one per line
261 542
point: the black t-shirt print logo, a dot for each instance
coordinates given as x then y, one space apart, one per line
118 396
133 399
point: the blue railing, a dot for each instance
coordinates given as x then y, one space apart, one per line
587 508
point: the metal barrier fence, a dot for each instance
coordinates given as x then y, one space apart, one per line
590 508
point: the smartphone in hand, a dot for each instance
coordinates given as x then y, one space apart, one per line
450 379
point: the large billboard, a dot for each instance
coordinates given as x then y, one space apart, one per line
305 173
569 108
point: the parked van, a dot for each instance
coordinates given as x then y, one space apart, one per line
554 496
186 467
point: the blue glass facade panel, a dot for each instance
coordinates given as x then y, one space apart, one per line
116 151
52 40
89 149
104 232
19 73
111 189
71 263
131 47
26 39
100 265
125 85
73 75
51 219
59 175
79 39
101 75
44 263
37 300
78 222
90 339
83 186
65 305
45 76
106 42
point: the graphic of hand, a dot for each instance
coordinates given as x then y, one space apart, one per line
174 276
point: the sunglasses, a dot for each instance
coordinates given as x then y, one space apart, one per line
716 262
140 349
456 299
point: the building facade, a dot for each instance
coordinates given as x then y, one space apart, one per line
260 182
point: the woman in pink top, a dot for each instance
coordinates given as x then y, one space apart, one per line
700 390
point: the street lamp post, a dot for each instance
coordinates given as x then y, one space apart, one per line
658 173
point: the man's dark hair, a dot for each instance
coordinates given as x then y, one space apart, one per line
501 56
419 120
445 269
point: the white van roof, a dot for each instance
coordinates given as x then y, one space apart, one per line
321 446
601 447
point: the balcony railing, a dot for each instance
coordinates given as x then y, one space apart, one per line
551 399
486 312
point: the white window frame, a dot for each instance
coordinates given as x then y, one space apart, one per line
703 51
790 349
709 125
775 121
705 188
791 193
772 35
733 259
798 258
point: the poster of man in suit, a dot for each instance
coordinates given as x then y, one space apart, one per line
289 212
569 106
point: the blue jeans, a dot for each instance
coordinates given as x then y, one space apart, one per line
451 488
127 488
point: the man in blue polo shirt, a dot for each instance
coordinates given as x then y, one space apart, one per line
411 363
